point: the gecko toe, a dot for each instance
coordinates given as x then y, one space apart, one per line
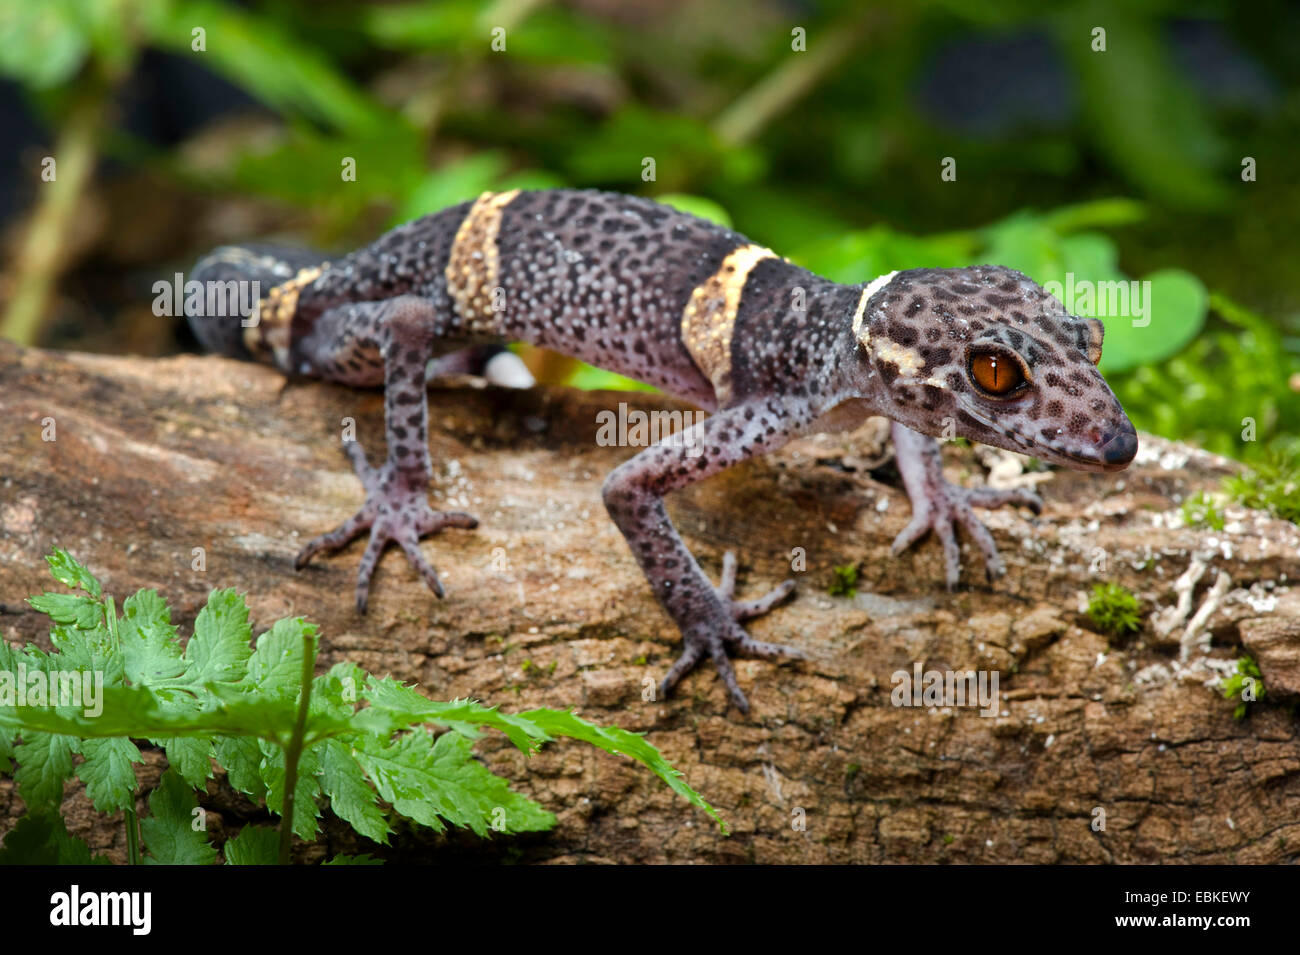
685 663
727 673
423 567
749 609
342 535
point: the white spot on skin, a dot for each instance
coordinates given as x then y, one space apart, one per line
908 360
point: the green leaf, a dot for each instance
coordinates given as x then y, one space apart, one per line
44 762
107 773
350 795
67 571
83 613
306 808
279 69
364 858
407 706
190 756
149 642
855 257
168 832
590 378
220 648
241 757
615 740
697 206
1144 117
429 783
42 839
6 751
43 44
1175 305
275 667
253 845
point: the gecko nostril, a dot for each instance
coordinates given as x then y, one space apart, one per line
1120 448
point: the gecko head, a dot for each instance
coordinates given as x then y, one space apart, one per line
986 353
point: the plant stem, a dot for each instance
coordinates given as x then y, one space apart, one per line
129 814
39 261
293 752
779 90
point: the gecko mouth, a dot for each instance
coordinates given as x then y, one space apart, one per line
1115 449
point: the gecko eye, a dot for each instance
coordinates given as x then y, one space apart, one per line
997 373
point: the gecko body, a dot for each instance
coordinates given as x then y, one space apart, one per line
768 348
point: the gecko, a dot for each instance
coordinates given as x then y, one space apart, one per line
767 348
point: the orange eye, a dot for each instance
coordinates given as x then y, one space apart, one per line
996 374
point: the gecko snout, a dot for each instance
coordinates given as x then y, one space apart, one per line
1119 447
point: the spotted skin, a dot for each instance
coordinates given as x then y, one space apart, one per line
771 349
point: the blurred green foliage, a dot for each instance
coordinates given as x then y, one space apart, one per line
826 154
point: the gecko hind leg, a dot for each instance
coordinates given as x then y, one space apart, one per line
400 333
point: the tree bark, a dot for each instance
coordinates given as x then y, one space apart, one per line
1100 750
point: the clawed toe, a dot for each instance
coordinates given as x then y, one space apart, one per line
942 510
395 511
713 638
340 537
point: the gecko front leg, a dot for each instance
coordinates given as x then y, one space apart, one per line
938 505
348 345
708 616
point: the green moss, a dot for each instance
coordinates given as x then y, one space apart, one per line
1113 609
845 583
1202 511
1246 686
1272 486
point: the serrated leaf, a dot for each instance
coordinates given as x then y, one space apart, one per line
430 782
150 646
350 796
220 648
68 571
107 773
615 740
43 839
241 757
44 762
253 845
275 666
84 613
168 831
306 807
190 756
364 858
406 706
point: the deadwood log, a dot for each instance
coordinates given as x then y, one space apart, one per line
545 607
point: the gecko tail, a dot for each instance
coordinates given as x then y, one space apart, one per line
232 280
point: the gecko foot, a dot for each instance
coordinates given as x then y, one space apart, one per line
396 511
942 506
713 633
